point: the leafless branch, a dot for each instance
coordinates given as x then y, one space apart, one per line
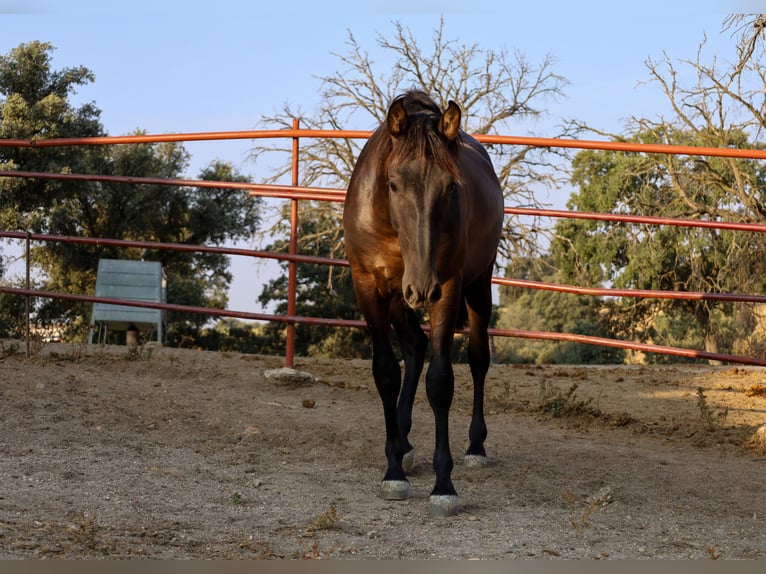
493 88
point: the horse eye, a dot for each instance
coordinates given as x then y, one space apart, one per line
392 187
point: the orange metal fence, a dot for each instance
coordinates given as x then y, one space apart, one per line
295 193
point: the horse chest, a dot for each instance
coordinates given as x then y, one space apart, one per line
388 274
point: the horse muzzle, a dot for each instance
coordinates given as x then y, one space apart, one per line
418 297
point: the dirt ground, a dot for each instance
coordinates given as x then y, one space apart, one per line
169 453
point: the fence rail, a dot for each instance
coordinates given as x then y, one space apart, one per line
296 193
298 133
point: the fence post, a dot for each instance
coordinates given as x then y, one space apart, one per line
28 285
292 278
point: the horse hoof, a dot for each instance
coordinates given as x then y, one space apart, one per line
443 505
395 490
408 461
475 460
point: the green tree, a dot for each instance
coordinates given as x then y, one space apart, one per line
713 106
232 335
35 103
321 292
166 214
196 216
496 91
541 310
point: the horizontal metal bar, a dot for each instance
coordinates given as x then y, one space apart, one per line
639 293
645 347
313 259
542 335
362 134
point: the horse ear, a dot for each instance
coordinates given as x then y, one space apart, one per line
450 122
397 117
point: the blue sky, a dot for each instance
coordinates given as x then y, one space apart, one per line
187 66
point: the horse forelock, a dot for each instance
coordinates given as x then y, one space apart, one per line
422 141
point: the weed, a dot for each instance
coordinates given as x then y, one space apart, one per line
313 552
324 521
712 553
553 402
36 344
580 518
86 533
76 354
507 390
505 399
712 418
139 353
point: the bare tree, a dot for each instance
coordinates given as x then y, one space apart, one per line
497 91
750 28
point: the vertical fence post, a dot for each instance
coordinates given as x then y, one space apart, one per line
292 279
27 334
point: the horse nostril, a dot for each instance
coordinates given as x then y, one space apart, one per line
417 298
436 293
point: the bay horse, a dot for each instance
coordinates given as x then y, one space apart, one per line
422 221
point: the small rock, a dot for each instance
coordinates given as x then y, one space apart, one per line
601 498
290 376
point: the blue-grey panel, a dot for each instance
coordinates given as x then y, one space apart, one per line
130 280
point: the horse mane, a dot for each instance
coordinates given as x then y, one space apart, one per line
422 139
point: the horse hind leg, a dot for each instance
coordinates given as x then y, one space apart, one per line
479 303
476 455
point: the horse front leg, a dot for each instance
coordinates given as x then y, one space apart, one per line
440 388
388 380
440 385
387 375
413 343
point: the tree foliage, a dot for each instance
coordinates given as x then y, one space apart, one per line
36 104
541 310
717 108
321 292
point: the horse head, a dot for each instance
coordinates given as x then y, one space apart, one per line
424 190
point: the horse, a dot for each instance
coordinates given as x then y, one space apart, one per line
422 222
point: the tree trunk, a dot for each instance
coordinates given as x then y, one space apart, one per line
702 314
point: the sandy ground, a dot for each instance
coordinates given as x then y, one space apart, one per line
169 453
